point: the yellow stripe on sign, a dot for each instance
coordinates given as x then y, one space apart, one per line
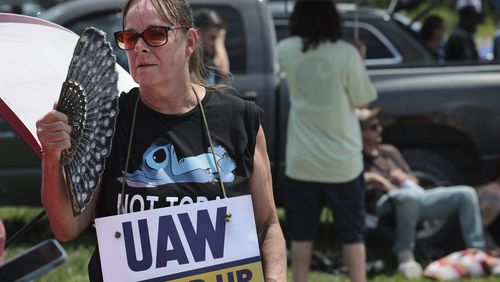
243 273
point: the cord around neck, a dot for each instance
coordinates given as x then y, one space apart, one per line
211 144
129 149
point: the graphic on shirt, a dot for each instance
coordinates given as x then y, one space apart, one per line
160 166
319 73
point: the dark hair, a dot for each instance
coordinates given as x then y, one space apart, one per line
315 21
429 26
469 18
177 12
206 18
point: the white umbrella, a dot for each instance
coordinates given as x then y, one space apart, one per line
34 64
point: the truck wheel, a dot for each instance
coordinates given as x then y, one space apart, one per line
435 237
432 169
438 238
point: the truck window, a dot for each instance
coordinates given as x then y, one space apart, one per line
379 50
235 36
109 23
281 27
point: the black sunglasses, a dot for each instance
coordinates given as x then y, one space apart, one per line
155 36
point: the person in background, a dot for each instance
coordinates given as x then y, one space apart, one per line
3 237
212 32
432 35
496 42
170 108
460 45
327 81
387 171
489 201
496 36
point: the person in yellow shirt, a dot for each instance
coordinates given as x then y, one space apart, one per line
327 80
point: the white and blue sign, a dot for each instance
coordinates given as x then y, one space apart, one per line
183 243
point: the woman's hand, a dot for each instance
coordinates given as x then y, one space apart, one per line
53 131
361 48
378 181
398 176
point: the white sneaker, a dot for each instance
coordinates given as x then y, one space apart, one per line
411 269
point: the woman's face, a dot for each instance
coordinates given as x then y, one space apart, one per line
152 66
371 132
208 38
440 32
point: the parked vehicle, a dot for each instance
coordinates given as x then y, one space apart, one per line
438 134
444 118
431 111
249 42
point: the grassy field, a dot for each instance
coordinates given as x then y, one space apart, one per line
79 251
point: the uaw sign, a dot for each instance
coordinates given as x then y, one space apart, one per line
191 243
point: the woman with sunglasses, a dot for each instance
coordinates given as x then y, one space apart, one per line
175 116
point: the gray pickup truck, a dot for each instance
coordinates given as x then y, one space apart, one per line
445 118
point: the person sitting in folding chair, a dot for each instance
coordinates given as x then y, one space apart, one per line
388 172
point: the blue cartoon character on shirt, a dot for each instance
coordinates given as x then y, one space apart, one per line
160 166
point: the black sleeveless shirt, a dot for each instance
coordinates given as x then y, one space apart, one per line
171 161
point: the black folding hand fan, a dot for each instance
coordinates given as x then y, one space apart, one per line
89 97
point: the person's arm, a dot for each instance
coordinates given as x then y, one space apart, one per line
455 48
54 134
360 45
377 181
221 59
357 82
398 176
271 240
404 171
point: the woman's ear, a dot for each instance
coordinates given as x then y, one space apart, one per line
192 41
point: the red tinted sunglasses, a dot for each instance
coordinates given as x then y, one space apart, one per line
155 36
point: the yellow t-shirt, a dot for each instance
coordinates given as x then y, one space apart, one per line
325 85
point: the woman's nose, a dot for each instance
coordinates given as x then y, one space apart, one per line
141 46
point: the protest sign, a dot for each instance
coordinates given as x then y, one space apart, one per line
183 243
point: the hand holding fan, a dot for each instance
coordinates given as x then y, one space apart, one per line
89 97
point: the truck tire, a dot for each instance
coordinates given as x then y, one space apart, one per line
432 169
437 237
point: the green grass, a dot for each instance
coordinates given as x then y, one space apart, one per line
79 251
